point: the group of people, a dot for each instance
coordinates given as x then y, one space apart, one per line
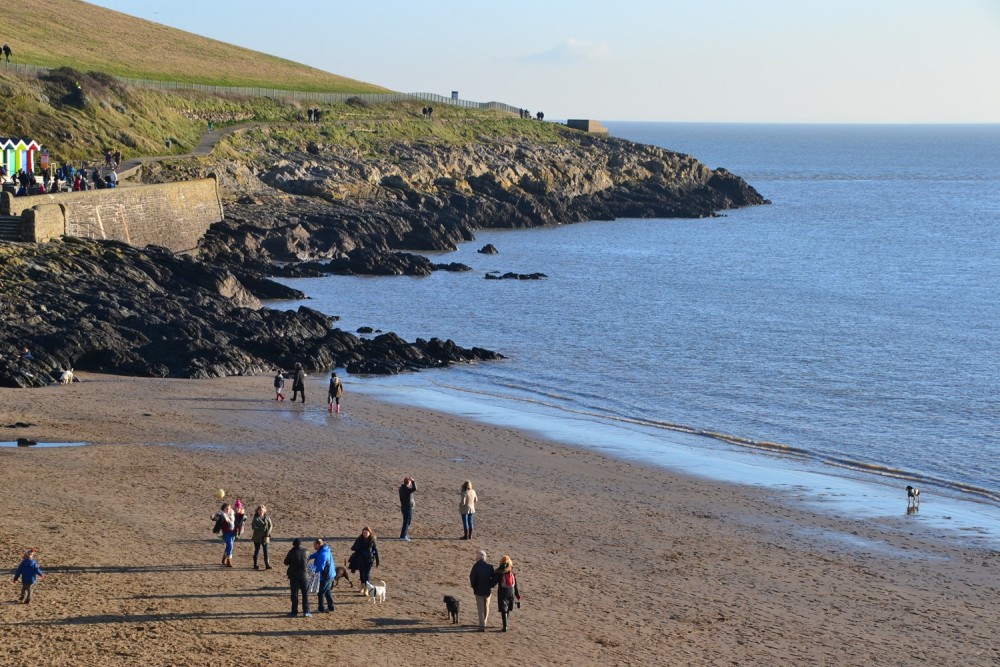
334 392
314 115
484 578
525 114
427 112
74 179
112 160
315 572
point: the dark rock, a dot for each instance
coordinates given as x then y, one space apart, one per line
365 330
456 267
496 275
25 442
371 262
107 307
488 249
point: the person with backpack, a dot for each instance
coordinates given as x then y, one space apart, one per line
507 591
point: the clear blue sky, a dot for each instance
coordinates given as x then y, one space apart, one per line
896 61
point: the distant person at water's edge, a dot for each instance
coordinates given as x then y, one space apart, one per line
299 383
335 392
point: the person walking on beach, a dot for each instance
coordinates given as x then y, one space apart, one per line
29 573
261 525
365 554
335 392
467 508
323 564
406 491
507 590
225 519
279 387
483 579
299 383
298 566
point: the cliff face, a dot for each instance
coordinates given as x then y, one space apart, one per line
326 202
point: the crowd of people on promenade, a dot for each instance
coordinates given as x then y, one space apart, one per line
65 178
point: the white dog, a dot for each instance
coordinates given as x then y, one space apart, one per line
375 592
66 377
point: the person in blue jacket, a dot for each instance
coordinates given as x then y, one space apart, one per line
28 572
322 559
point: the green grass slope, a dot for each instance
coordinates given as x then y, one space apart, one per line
56 33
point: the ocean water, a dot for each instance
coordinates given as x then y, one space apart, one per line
841 343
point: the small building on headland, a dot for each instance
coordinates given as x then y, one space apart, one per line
17 154
592 126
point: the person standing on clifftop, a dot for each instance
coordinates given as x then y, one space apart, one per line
299 383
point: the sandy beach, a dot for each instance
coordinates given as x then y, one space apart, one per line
619 564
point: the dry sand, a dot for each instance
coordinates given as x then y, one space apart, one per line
618 563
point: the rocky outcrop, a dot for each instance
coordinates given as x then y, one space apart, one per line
330 202
510 275
107 306
488 249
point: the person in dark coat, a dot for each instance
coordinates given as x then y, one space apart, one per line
507 590
299 383
406 491
335 392
365 554
297 561
483 578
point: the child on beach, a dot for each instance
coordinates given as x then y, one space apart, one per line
240 516
279 387
28 572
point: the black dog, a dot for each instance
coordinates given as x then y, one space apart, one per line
452 605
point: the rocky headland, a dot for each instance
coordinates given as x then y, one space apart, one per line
305 208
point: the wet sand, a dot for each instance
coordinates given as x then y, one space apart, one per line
618 563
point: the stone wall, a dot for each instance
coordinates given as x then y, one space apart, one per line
44 222
172 215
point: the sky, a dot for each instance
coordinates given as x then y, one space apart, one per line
790 61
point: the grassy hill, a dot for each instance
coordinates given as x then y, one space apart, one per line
56 33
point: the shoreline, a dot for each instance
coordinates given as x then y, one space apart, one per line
971 519
619 563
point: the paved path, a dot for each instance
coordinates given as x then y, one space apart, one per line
130 167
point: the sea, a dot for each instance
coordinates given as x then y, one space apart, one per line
835 346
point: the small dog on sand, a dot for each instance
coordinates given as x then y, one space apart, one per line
912 496
452 604
375 591
66 377
342 574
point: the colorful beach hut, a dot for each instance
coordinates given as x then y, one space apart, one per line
17 154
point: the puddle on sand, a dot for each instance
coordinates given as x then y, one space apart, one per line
40 445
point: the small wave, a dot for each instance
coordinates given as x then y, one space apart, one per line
775 448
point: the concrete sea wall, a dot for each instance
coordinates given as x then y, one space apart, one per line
172 215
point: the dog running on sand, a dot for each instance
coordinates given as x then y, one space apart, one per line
912 496
452 603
